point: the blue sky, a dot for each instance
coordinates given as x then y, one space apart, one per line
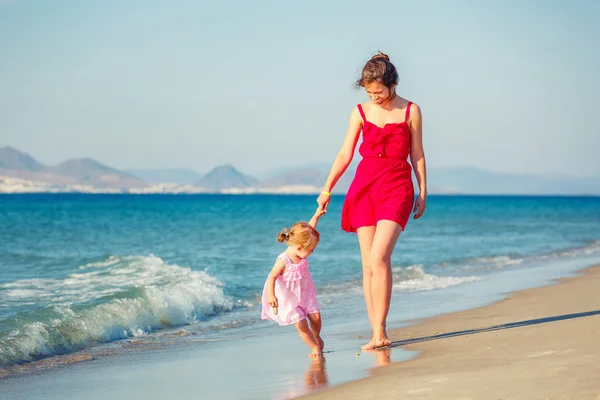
506 85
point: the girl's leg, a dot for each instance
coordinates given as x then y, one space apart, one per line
365 240
315 327
386 236
308 337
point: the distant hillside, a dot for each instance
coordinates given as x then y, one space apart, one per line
308 176
300 179
226 177
470 180
453 180
321 168
302 176
84 171
91 172
15 160
180 176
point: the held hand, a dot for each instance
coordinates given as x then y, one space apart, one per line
420 206
319 213
323 201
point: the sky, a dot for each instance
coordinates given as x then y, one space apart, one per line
509 86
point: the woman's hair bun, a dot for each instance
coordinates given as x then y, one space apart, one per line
380 55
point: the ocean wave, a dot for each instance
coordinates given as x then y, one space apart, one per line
415 279
126 297
406 279
509 260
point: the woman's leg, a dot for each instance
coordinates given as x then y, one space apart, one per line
365 240
384 240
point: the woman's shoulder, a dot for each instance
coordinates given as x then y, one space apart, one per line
415 110
364 106
404 102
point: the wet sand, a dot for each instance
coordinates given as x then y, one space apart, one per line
537 343
541 343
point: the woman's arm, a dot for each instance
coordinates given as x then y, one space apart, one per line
315 218
343 158
417 158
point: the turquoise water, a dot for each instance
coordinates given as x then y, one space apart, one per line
79 271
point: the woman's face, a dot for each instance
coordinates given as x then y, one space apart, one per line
378 92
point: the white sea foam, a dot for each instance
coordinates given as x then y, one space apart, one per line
414 279
504 261
406 279
153 294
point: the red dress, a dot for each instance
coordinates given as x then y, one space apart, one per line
382 188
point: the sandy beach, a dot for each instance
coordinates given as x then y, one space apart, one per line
534 344
540 343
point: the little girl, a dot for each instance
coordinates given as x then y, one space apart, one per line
289 296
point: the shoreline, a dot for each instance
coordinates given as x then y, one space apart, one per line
518 347
414 357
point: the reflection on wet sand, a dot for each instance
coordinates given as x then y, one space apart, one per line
316 376
382 356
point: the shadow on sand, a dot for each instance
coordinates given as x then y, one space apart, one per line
510 325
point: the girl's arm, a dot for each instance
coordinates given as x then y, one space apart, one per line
417 158
315 218
273 275
343 158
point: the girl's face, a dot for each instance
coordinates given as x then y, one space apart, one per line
305 252
377 92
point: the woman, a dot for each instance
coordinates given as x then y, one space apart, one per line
381 197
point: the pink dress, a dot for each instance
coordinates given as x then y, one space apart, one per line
295 292
382 188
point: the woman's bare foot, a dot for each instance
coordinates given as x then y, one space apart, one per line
369 346
379 340
376 344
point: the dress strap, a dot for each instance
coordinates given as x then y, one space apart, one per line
407 112
362 113
285 259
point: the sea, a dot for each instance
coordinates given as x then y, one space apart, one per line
120 275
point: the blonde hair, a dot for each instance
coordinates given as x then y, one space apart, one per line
301 234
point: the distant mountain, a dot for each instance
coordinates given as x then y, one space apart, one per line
303 176
226 177
91 172
452 180
15 160
300 179
84 171
316 177
322 168
470 180
180 176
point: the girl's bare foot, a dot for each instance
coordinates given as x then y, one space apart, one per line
321 342
316 353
